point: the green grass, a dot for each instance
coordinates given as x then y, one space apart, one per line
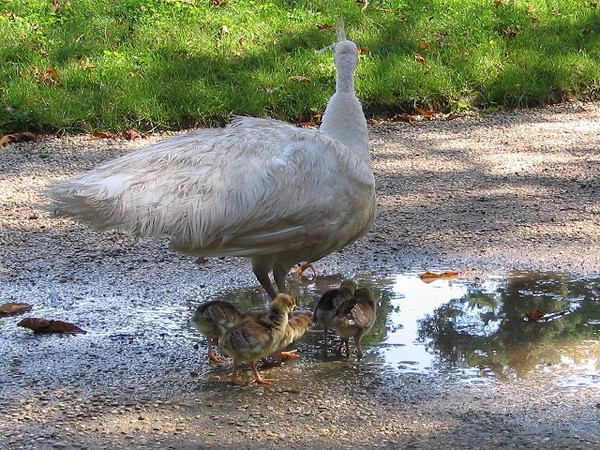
160 64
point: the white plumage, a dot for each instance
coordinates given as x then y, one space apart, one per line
258 188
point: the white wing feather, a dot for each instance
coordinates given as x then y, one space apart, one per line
256 187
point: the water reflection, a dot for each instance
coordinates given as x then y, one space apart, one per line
472 328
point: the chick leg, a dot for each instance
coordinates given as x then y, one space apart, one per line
359 351
257 377
234 371
214 358
289 354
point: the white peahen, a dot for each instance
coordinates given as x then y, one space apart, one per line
258 188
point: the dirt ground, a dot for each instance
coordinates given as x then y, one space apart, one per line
496 192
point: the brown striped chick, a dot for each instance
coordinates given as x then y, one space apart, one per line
325 309
256 337
298 325
212 319
354 318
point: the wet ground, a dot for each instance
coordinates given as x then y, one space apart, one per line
140 372
450 364
473 329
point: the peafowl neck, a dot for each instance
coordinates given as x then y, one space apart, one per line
345 121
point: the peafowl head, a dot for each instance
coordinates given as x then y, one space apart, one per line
346 52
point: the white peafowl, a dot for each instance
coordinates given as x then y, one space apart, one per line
259 188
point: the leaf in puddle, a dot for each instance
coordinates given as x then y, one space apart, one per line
537 315
428 277
49 326
11 309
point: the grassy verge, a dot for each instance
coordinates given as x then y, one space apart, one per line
68 66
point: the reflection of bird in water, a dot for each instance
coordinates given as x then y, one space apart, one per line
325 309
354 318
213 319
259 188
256 337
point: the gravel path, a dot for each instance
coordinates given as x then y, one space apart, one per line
496 192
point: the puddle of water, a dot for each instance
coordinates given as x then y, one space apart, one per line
471 329
465 329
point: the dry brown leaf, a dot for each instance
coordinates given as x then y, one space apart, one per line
324 26
428 277
56 7
25 136
420 59
308 124
11 309
49 326
50 76
425 112
104 134
130 134
363 49
300 78
403 117
537 315
423 45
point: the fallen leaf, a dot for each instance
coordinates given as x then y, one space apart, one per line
11 309
130 134
50 76
428 277
300 78
423 45
25 136
49 326
56 7
224 30
537 315
425 112
104 135
363 49
403 117
308 124
420 59
218 2
365 4
324 26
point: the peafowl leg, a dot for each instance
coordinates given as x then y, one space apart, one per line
279 274
265 282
